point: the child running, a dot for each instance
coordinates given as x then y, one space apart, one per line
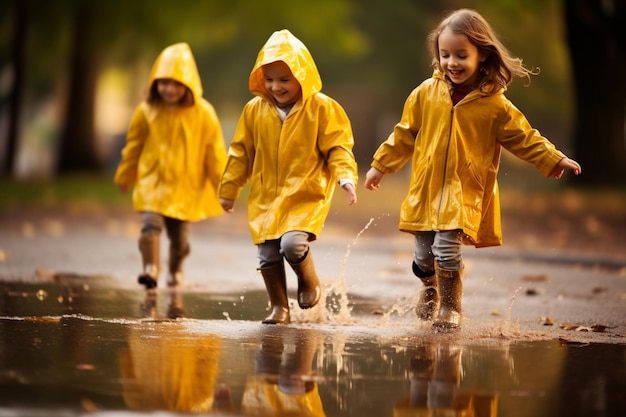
453 127
174 158
293 144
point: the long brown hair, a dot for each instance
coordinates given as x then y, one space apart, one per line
499 67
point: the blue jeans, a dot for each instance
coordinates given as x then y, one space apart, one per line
292 245
443 246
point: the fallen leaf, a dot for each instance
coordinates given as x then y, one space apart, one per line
548 321
535 278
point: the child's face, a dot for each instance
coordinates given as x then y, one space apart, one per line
458 58
171 91
281 84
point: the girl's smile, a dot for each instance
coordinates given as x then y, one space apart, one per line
459 58
281 84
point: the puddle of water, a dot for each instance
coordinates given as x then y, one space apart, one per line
70 348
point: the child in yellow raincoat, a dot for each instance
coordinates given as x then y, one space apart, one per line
453 128
174 158
294 144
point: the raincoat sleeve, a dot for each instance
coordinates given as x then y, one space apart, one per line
335 142
127 169
240 157
518 137
396 151
216 150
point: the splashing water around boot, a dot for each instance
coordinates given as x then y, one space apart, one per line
336 292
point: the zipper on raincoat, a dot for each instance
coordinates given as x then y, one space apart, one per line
445 165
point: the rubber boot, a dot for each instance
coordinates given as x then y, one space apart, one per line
450 292
175 275
309 290
276 285
428 303
150 252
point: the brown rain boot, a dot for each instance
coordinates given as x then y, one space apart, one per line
276 285
149 248
428 304
309 290
451 292
175 275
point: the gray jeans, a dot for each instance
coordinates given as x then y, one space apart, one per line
292 245
443 247
177 230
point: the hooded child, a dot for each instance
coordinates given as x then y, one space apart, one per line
294 144
173 158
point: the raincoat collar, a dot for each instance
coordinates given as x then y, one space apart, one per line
177 62
284 46
437 74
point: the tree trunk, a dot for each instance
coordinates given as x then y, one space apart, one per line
78 151
596 38
17 89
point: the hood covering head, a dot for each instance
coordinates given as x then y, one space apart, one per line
177 62
283 46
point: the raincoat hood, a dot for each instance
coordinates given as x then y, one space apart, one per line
283 46
177 62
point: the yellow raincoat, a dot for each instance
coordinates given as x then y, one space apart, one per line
455 153
293 166
166 368
174 156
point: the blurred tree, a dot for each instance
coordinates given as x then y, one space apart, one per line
19 21
597 45
70 42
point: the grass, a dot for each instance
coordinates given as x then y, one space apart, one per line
90 190
59 192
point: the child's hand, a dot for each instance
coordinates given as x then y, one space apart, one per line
351 193
227 204
564 164
373 179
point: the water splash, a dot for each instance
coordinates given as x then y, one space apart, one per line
336 293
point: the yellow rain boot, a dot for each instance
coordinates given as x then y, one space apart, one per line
276 285
450 292
149 247
309 290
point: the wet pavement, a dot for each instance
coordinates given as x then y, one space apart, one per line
544 331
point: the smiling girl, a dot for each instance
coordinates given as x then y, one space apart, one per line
453 128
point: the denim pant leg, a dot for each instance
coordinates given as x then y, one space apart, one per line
423 255
443 247
151 223
447 249
268 252
294 246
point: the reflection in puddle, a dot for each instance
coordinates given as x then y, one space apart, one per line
76 348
